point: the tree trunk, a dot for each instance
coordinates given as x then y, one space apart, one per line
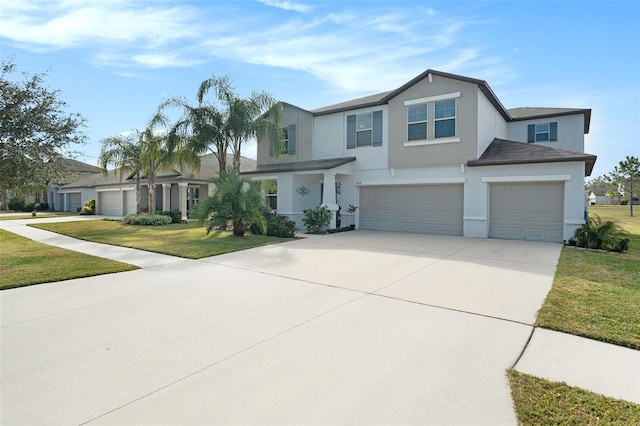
138 195
222 162
152 191
236 163
631 196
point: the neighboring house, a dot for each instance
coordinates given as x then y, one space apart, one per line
599 196
175 190
438 155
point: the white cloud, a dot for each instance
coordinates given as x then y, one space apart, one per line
287 5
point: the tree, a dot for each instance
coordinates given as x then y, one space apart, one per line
124 153
236 200
226 123
36 132
627 173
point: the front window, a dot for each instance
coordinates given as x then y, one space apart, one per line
542 132
285 140
271 189
445 118
417 119
364 129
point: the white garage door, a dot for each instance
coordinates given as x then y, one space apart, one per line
110 203
75 202
428 209
130 202
527 211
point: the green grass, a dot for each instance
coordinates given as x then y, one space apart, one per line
24 262
541 402
184 240
39 215
597 294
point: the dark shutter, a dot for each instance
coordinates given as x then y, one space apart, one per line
553 131
377 128
292 139
531 133
351 131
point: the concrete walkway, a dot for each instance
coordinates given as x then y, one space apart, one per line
359 327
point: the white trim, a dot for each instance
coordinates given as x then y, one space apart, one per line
542 178
574 222
432 98
431 142
479 218
440 181
112 189
261 177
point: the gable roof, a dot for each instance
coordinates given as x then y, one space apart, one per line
79 166
599 192
297 166
502 152
529 113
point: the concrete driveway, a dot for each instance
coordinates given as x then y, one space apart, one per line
351 328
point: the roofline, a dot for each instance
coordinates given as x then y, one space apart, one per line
589 162
576 111
284 169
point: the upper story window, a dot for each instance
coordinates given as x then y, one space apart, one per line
364 129
542 132
288 143
285 139
417 118
445 118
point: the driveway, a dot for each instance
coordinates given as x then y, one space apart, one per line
350 328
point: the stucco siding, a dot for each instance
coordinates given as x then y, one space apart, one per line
434 154
490 124
303 120
570 132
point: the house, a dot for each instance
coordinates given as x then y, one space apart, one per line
438 155
599 196
175 189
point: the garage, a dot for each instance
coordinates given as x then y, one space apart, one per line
110 203
75 202
130 202
527 211
425 209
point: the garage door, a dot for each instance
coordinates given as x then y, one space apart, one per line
428 209
527 211
110 203
75 202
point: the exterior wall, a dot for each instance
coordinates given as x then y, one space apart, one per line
85 194
304 131
570 132
476 192
490 124
434 154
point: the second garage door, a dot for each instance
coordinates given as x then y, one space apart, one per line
527 211
428 209
110 203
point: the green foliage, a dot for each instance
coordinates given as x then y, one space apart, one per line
175 215
236 201
16 203
42 206
146 219
281 226
316 219
627 173
89 207
595 234
36 132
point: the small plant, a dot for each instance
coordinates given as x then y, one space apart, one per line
146 219
316 219
352 209
89 207
175 215
281 226
595 234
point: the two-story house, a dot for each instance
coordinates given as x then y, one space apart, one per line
438 155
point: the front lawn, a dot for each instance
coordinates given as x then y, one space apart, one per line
541 402
39 215
187 240
25 262
597 294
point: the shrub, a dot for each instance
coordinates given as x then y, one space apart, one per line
89 207
281 226
29 207
175 215
316 219
595 234
43 206
146 219
16 203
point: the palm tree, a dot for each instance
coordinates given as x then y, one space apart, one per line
125 155
236 200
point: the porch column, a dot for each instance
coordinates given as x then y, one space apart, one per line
166 196
329 196
182 192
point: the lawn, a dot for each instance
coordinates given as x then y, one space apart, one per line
39 215
540 402
597 294
24 262
187 240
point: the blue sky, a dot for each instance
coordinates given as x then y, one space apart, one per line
115 61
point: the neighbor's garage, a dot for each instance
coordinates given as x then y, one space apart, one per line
527 211
427 209
75 202
110 203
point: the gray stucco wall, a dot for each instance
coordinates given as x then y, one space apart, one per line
304 130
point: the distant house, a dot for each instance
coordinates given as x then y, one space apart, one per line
439 155
598 196
116 196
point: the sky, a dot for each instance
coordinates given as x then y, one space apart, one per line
115 61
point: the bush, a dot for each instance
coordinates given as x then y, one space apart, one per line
89 207
42 206
595 234
281 226
29 207
624 202
146 219
316 219
16 203
175 215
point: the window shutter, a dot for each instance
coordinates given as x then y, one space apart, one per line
271 148
553 131
351 131
531 133
377 128
292 139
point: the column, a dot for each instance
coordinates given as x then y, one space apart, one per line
329 196
166 196
182 191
